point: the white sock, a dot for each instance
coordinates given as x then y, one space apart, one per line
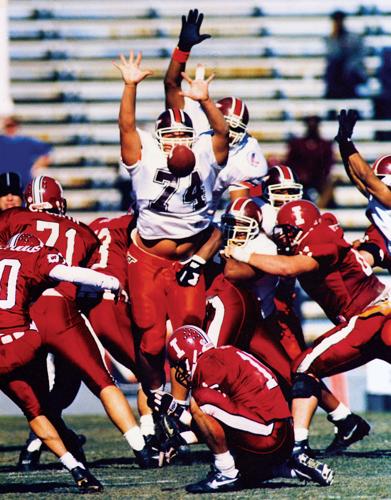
135 438
147 425
34 445
340 413
70 462
225 463
301 434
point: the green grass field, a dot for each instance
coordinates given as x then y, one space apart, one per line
362 472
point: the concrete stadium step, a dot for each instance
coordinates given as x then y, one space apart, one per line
88 9
84 177
215 26
259 67
92 199
270 109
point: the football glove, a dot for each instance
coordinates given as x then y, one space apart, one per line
162 403
190 272
190 31
347 120
168 435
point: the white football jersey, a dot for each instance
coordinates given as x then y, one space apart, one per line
246 161
380 215
171 207
265 287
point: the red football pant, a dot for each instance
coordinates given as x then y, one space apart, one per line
349 345
156 296
65 333
231 313
112 324
18 352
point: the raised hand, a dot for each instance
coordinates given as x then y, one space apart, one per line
130 69
190 31
347 120
199 87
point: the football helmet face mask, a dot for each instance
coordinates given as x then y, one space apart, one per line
294 221
185 345
45 194
174 127
382 169
24 240
236 115
281 185
241 222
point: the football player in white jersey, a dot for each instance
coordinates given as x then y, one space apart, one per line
173 221
374 183
246 160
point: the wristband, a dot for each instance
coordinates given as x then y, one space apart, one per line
179 55
347 148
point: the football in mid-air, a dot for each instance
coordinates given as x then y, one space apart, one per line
181 160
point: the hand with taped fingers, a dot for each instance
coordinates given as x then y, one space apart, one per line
239 253
199 87
130 69
190 30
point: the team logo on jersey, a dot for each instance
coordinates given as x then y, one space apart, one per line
131 259
253 159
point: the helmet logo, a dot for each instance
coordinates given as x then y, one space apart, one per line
298 214
179 352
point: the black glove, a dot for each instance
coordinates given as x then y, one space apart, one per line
168 435
163 403
347 120
190 272
190 31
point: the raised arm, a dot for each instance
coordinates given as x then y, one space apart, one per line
358 170
132 75
199 91
188 37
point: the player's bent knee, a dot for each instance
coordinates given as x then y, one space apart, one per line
305 386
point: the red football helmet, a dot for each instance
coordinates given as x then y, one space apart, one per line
174 127
184 347
236 115
382 169
241 221
294 221
45 193
281 185
24 240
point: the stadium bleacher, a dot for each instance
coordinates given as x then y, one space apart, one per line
67 91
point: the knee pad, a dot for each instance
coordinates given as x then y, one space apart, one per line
305 386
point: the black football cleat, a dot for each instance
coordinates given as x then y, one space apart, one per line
85 481
216 482
147 458
351 429
310 470
303 447
29 460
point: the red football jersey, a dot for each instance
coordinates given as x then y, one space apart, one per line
114 236
344 284
73 239
24 273
242 380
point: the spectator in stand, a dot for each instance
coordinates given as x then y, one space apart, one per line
345 53
22 154
10 191
311 157
382 102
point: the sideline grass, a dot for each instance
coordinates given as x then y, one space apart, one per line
362 472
